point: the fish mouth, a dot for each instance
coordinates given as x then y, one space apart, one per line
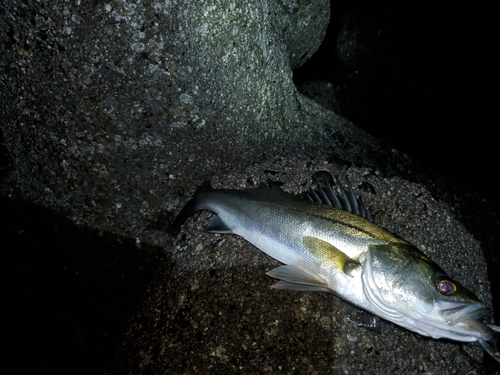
469 314
455 320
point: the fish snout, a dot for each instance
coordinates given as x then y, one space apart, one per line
470 315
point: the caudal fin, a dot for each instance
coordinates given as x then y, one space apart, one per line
191 206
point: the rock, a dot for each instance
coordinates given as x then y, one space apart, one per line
112 108
114 112
304 26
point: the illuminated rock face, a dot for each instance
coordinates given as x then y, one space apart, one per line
111 106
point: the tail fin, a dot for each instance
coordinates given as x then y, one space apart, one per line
192 206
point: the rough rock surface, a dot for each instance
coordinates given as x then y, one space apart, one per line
304 26
113 112
110 107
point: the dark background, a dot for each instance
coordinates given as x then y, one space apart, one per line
423 76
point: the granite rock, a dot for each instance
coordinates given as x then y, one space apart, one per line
112 114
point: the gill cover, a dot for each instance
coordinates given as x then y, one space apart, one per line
409 289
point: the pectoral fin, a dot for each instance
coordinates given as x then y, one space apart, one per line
329 255
293 278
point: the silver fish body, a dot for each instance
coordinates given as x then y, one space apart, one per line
328 249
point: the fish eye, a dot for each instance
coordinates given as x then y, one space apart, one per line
446 287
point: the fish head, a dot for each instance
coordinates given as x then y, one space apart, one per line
409 289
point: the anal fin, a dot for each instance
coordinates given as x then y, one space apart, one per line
216 225
299 287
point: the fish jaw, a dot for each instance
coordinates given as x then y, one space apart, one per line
450 320
468 317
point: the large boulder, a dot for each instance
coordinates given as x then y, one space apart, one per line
110 107
112 114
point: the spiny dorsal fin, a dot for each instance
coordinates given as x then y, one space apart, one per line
324 193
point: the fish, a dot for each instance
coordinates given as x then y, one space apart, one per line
327 243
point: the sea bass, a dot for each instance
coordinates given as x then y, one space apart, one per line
327 244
